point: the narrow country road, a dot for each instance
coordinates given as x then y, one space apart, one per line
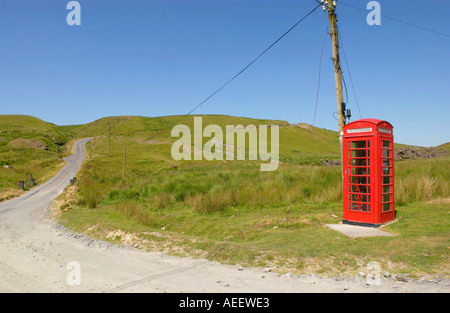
38 255
32 206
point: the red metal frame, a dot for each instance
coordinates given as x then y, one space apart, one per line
368 168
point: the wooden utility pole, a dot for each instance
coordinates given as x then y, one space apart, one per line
109 140
124 158
337 69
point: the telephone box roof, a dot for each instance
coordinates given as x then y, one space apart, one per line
371 121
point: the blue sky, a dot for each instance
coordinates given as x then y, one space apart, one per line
164 57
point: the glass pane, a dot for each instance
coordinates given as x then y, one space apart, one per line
387 197
386 144
386 207
359 207
386 153
358 144
357 162
386 162
359 180
386 171
356 207
359 171
359 153
386 189
386 180
360 162
359 198
359 188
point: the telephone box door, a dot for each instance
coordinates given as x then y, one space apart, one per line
358 163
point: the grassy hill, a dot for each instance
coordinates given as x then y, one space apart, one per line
230 211
29 145
295 140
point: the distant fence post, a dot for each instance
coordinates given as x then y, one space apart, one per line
23 184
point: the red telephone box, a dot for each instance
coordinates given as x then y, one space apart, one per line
368 166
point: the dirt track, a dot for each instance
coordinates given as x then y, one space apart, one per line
35 253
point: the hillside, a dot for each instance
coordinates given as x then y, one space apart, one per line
160 126
29 145
29 129
295 140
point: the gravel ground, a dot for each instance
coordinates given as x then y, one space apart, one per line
38 257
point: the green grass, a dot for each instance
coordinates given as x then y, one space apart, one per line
232 212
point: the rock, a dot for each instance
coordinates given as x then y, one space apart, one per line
287 275
331 163
267 270
370 276
405 153
362 274
387 274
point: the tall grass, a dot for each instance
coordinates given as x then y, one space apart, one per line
209 190
212 191
421 180
90 191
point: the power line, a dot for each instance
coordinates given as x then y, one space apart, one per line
399 21
250 64
314 118
318 82
350 76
